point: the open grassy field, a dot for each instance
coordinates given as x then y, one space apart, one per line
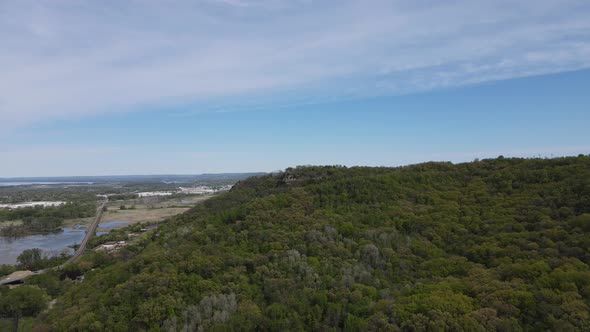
145 210
10 223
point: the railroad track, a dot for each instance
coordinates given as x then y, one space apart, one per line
89 234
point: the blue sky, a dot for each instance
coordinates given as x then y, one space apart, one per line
144 87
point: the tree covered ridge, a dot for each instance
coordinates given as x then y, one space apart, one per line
492 245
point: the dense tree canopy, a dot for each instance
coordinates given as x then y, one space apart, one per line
22 301
492 245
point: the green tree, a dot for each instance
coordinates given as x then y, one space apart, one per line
30 257
23 301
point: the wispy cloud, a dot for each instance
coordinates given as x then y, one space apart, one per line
68 58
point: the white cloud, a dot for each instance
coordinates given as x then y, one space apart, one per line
68 58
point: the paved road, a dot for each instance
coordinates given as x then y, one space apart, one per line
21 275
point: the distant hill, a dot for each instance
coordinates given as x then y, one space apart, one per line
113 178
492 245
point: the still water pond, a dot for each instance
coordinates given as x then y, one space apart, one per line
50 243
10 248
111 224
10 184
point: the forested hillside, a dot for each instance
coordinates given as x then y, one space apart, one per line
491 245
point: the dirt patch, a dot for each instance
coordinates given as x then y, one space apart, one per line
17 275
